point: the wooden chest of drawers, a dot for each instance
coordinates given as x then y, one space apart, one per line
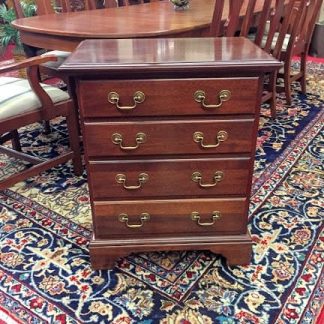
169 129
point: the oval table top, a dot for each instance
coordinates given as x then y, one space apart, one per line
65 31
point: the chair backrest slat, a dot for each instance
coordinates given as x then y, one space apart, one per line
284 29
215 26
18 9
262 27
278 26
233 20
248 18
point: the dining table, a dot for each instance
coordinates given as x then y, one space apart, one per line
64 31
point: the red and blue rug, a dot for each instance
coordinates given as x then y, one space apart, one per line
45 228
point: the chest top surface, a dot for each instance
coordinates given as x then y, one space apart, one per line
169 54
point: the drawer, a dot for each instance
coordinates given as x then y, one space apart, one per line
172 177
168 137
168 97
162 217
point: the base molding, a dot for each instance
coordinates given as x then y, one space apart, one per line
237 249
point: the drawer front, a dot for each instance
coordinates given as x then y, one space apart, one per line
194 216
165 178
169 137
168 97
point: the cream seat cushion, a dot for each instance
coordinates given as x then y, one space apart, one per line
17 97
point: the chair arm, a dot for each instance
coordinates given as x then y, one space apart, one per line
34 82
36 60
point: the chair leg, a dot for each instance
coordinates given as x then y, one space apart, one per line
15 140
72 123
13 137
287 82
303 61
273 99
47 126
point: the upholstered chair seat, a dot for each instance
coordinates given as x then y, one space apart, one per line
17 97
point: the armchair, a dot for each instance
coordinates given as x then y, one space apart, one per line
24 102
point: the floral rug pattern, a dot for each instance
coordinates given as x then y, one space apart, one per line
45 223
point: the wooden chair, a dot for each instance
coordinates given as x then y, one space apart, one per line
268 30
50 68
297 43
23 102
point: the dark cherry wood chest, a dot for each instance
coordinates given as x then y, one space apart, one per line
169 129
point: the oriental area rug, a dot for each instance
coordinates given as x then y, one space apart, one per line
45 228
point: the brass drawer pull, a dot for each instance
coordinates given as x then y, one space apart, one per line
198 137
218 176
117 139
223 95
196 218
142 178
138 97
124 219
